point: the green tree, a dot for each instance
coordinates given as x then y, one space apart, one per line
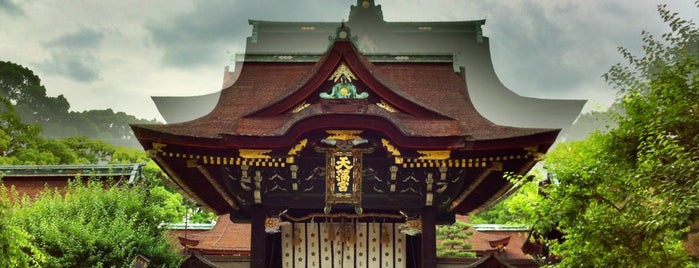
517 209
15 135
170 206
22 143
453 240
626 197
97 225
24 89
16 249
198 215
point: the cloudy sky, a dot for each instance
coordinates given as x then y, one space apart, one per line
116 54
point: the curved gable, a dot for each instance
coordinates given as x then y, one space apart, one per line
343 59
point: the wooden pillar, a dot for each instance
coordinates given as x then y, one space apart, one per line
258 243
428 237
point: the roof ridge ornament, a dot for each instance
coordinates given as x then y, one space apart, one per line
343 32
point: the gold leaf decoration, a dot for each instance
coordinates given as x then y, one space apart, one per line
393 150
296 149
434 155
342 70
386 106
256 154
344 135
300 107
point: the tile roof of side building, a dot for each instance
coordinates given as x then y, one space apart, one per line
31 180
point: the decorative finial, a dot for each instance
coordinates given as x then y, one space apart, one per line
343 32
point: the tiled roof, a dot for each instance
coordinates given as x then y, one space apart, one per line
109 170
226 238
433 87
258 84
31 180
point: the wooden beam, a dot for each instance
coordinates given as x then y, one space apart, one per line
495 166
214 183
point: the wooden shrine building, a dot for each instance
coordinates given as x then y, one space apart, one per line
348 151
344 159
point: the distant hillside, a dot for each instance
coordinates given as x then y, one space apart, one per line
590 122
24 90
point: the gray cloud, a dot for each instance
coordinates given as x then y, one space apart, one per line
540 50
82 39
203 35
10 7
74 55
73 65
536 45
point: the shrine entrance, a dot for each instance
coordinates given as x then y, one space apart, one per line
343 244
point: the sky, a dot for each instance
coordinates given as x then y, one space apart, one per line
116 54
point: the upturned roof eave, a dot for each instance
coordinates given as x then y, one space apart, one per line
538 137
